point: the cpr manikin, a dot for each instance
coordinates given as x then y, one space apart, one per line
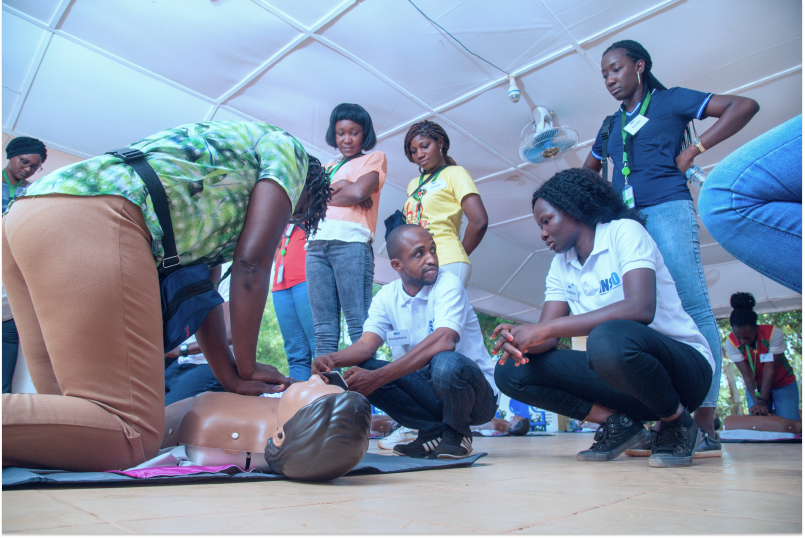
315 431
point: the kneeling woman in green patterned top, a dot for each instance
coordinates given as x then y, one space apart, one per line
80 258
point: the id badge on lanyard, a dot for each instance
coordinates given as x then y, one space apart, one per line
632 128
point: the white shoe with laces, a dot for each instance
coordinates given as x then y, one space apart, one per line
400 436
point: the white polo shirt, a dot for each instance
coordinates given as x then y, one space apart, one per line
404 321
620 246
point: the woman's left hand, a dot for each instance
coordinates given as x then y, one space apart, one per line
685 159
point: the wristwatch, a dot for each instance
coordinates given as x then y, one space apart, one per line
698 143
183 350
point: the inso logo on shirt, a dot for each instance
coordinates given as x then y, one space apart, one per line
610 284
430 326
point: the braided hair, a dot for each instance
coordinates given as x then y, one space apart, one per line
636 52
584 195
432 130
318 190
743 313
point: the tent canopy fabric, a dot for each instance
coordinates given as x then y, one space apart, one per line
86 76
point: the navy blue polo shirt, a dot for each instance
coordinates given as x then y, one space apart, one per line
655 177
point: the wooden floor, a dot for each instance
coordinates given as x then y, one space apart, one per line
525 485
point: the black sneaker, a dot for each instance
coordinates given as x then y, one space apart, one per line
708 448
644 449
619 434
420 447
676 442
453 446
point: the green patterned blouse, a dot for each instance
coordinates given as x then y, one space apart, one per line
208 170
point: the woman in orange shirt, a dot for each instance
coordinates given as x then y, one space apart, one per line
340 263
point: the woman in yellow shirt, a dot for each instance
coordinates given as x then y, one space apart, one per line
440 196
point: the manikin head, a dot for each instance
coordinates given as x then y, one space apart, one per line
322 431
412 252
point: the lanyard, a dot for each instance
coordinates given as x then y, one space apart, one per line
288 232
418 193
12 189
333 169
626 170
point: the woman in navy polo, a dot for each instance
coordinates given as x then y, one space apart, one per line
659 149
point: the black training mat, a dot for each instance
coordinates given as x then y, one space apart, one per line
15 477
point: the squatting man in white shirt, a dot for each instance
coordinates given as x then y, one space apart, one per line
441 380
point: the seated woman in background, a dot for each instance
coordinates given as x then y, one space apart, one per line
81 252
440 196
759 353
645 358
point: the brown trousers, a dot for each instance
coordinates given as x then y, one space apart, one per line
83 286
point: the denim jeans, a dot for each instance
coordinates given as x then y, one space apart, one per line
11 345
451 390
188 380
627 367
785 401
751 203
295 319
674 228
339 276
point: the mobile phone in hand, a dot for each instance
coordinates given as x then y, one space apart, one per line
335 379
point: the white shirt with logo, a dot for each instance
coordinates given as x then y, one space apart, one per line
404 321
621 246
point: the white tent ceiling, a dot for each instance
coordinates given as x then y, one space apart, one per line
85 76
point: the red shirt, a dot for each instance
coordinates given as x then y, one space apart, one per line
293 263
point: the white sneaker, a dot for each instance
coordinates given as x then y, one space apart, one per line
400 436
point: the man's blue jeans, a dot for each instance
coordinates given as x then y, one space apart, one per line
751 203
295 319
451 390
11 344
188 380
674 228
339 276
785 401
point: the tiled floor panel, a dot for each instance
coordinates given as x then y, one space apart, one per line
525 485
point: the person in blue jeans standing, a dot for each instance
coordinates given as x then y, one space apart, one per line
651 147
291 303
754 197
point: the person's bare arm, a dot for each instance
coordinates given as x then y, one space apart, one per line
639 304
592 163
357 192
362 350
367 381
733 113
266 217
477 222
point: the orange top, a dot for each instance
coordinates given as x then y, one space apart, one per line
329 228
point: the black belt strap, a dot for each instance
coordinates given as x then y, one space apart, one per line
606 128
136 159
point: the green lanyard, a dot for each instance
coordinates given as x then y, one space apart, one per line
12 189
288 232
626 170
333 169
418 194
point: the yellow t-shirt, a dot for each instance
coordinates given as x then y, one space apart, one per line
440 211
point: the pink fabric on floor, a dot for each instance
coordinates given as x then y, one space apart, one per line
175 470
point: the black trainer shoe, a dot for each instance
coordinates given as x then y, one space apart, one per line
708 448
619 434
453 446
676 442
421 447
644 449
